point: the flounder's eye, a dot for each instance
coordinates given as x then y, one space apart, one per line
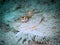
22 17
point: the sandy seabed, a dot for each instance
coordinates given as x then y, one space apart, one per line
14 32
